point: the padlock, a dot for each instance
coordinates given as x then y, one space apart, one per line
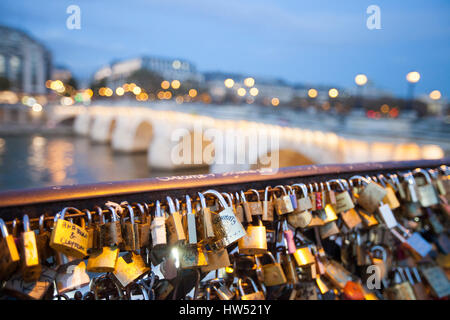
438 181
255 241
437 280
288 265
130 235
104 259
72 276
31 266
390 198
343 201
246 208
41 289
371 195
191 222
129 268
419 289
111 231
9 255
273 272
93 230
256 207
427 193
401 288
68 238
288 237
411 187
351 218
414 242
192 256
283 204
143 225
329 229
301 217
217 259
227 228
221 290
158 227
255 295
369 220
267 206
293 197
204 221
303 255
43 241
337 274
238 209
174 225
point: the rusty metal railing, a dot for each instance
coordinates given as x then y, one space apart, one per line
34 202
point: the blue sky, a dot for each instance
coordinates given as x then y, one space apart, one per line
311 42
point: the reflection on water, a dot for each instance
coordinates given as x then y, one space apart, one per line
37 161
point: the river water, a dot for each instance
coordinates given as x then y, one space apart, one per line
33 161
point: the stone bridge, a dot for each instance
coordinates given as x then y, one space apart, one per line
176 140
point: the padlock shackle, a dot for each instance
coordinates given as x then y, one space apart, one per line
303 187
380 249
112 210
26 223
141 210
3 228
202 200
188 205
246 279
425 174
282 188
88 215
359 178
338 182
229 198
243 198
218 196
266 193
171 205
130 211
41 223
68 209
257 194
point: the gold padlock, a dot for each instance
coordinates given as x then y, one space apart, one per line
68 238
303 255
129 268
255 241
273 272
255 295
371 196
9 255
31 266
267 206
174 225
192 256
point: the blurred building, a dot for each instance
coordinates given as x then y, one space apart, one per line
24 62
258 88
61 73
170 69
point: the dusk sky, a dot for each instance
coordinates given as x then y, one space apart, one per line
320 42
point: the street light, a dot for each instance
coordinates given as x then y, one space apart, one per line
435 95
333 93
360 80
412 77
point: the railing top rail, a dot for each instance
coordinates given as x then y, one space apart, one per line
46 200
